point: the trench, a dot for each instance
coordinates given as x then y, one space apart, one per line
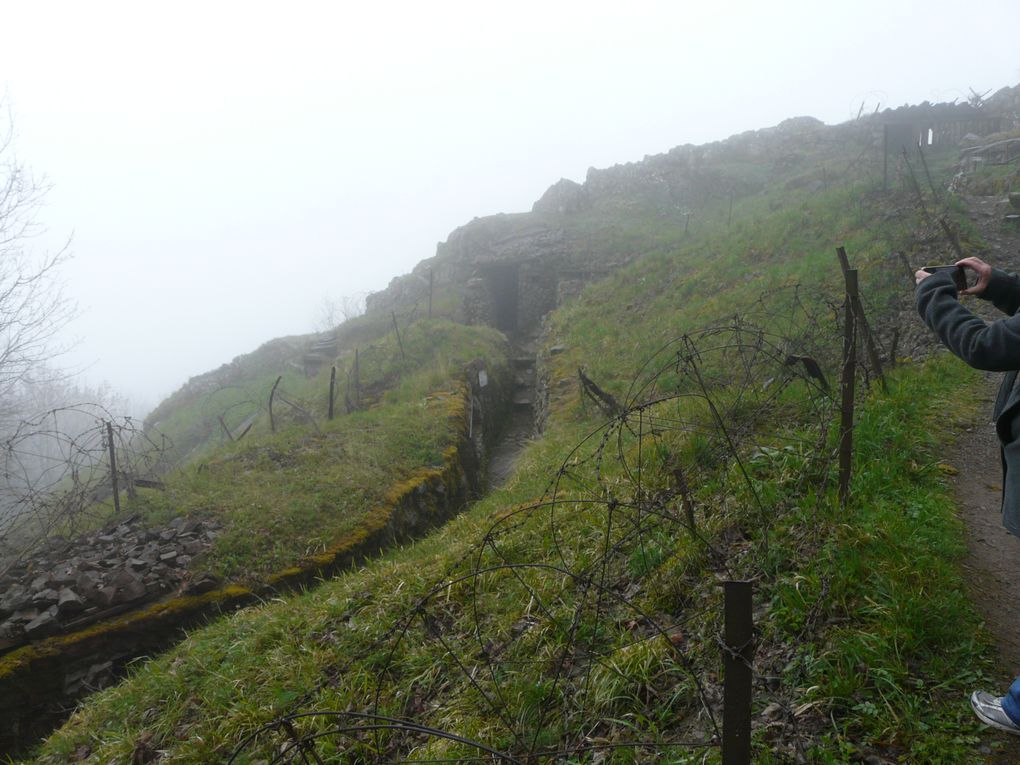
42 682
520 425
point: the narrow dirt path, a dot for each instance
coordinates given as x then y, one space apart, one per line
520 428
992 565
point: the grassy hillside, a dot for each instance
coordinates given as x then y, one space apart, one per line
575 615
284 495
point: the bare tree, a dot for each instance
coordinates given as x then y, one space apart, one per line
334 312
33 308
56 473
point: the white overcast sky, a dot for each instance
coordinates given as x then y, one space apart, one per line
224 166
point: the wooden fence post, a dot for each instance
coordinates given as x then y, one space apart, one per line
861 320
927 174
846 385
272 421
738 638
113 469
224 426
357 381
396 329
885 158
332 389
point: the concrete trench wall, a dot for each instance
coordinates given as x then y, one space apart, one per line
41 682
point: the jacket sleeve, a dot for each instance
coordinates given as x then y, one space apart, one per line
1003 291
994 347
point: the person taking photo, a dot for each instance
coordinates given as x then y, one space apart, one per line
993 347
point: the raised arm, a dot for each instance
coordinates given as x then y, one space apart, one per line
994 347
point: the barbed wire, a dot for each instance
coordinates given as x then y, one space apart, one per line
553 623
56 473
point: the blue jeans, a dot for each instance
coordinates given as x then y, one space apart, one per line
1011 702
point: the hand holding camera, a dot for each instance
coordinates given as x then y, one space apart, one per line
959 272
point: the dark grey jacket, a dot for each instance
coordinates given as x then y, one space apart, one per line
994 347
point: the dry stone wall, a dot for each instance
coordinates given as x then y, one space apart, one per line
67 585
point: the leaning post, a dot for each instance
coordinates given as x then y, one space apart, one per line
862 320
272 393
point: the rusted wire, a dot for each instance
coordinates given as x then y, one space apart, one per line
717 388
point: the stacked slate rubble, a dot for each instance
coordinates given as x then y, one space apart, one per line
68 584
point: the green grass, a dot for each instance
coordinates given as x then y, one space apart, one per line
529 624
284 496
878 651
902 647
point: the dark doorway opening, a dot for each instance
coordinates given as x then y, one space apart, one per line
504 287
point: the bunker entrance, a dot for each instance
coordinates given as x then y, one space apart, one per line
504 290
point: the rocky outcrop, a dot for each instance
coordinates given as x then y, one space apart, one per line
67 585
565 197
1006 103
562 241
509 270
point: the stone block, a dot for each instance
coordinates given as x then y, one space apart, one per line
44 598
202 583
14 599
192 548
44 624
127 587
69 602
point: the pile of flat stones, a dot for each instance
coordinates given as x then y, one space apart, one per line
68 584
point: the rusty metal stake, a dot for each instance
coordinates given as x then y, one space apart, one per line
396 329
113 469
357 380
739 653
846 385
332 389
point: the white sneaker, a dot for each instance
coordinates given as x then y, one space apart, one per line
988 709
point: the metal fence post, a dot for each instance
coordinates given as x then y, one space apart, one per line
739 653
272 393
332 390
113 469
846 385
357 380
